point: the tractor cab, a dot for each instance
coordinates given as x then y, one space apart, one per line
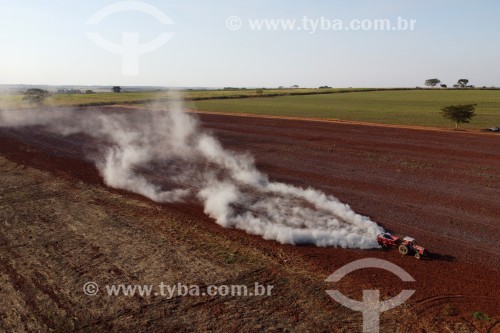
408 241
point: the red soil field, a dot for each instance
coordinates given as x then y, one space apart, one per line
440 187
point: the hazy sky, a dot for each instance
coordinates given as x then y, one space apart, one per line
45 42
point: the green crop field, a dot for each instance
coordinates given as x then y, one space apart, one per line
16 101
399 107
407 107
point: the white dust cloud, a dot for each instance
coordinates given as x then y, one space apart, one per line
163 154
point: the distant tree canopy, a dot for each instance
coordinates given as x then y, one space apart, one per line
35 95
325 87
117 89
459 113
462 83
432 82
69 91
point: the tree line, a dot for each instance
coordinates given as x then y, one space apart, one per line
462 83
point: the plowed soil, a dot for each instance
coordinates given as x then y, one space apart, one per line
440 187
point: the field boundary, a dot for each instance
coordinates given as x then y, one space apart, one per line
328 120
349 122
243 96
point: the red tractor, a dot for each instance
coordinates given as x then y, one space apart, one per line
405 245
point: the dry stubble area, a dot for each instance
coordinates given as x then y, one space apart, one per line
62 228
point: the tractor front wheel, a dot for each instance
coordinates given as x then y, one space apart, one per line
417 255
403 249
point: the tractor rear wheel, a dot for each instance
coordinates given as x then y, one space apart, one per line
403 249
417 255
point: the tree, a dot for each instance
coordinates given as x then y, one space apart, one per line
117 89
459 113
462 83
444 86
432 82
36 96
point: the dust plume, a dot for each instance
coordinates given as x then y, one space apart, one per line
163 154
